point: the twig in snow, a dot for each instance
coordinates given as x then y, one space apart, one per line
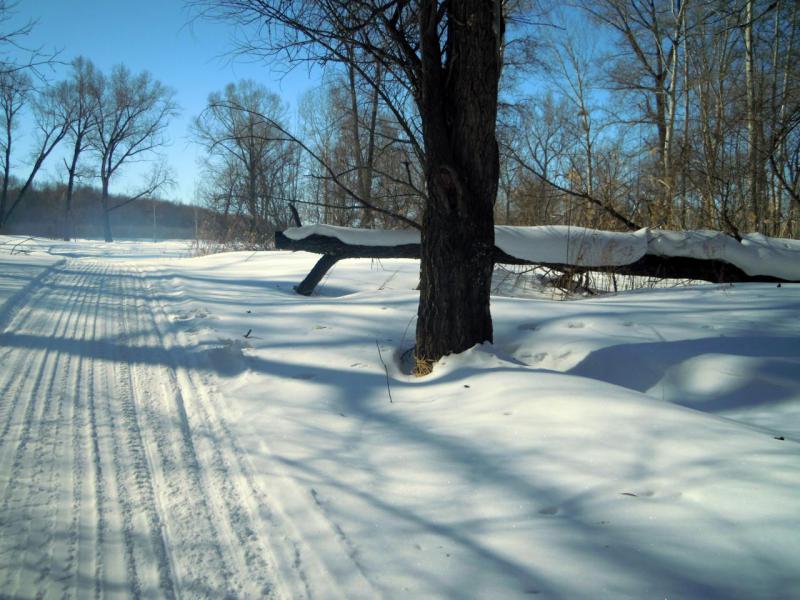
249 331
14 249
386 370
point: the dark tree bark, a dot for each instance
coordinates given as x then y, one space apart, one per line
458 103
6 172
71 171
107 234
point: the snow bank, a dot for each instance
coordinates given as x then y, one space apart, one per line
355 236
560 244
756 254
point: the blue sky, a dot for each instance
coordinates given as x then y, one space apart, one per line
157 36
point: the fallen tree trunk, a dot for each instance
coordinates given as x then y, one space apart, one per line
333 250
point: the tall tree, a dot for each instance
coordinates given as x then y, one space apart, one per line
79 94
53 120
449 56
133 112
237 130
649 34
363 171
15 88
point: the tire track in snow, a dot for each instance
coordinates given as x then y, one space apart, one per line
119 561
267 531
239 505
97 516
186 445
71 509
52 511
28 504
119 475
20 368
68 554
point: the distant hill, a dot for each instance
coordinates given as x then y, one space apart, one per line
41 213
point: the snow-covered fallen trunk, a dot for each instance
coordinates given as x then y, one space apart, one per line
703 255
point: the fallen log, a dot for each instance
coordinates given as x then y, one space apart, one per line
649 264
333 250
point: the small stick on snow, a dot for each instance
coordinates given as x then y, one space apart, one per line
249 331
14 249
386 370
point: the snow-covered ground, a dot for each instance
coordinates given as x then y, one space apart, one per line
190 427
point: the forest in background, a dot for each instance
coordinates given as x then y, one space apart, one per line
42 215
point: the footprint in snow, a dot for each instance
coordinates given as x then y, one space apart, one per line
537 358
550 510
575 325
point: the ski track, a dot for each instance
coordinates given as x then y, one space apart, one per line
119 476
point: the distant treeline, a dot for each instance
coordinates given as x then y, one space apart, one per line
42 214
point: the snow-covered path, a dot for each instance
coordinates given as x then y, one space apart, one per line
118 477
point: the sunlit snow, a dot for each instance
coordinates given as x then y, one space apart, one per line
178 426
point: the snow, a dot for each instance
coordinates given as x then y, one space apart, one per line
755 255
559 244
615 447
356 236
579 246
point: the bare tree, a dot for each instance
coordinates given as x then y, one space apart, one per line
241 132
79 95
133 112
449 57
53 120
650 36
363 170
15 88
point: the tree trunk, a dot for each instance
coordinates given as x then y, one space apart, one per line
752 134
458 104
68 212
73 167
106 213
713 270
6 175
363 172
